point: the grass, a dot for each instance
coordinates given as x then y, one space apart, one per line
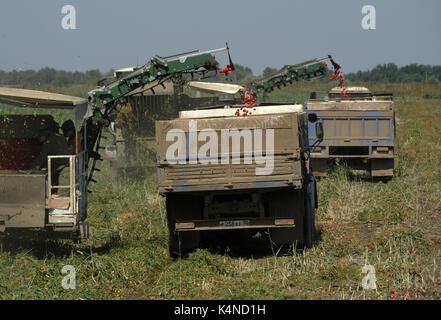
395 227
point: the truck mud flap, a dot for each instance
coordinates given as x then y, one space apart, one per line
382 167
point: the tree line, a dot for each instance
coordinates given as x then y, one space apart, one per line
389 73
383 73
50 76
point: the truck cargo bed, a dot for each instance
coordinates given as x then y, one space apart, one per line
227 169
356 131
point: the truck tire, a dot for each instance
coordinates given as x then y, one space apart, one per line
309 223
310 205
181 208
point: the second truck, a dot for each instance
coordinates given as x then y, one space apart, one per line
359 130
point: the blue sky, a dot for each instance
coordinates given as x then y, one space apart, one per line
115 34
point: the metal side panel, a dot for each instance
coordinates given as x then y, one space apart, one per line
355 128
197 177
22 200
211 172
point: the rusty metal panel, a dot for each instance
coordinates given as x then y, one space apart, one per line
22 199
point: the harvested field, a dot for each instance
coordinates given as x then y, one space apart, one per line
394 226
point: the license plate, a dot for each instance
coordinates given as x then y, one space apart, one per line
234 223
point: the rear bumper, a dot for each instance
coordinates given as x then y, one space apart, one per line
233 224
363 151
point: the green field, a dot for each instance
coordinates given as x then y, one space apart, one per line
395 227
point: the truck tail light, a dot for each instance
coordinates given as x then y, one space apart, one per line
382 149
281 222
184 225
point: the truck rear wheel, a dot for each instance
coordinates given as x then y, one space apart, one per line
182 208
287 204
309 222
310 204
320 166
297 204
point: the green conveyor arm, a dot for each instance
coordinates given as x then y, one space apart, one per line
307 70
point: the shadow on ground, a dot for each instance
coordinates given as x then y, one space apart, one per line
354 174
362 177
249 244
46 245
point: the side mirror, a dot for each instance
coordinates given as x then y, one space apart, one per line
319 131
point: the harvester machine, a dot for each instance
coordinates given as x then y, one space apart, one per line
31 198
